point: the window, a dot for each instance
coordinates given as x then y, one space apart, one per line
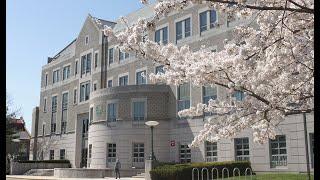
185 153
90 151
112 112
123 81
45 105
75 96
138 111
123 56
85 127
242 149
95 60
238 95
62 154
211 151
141 77
311 136
86 40
54 104
91 114
183 29
110 56
86 63
43 129
76 68
109 83
184 96
94 86
138 152
159 69
65 101
203 21
208 93
278 151
53 114
55 76
213 18
51 155
111 152
46 80
66 72
207 18
64 112
84 91
161 36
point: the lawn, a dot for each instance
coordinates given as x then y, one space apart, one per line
275 176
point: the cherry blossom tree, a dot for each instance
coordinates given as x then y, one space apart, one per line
271 61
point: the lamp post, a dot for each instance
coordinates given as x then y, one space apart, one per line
152 124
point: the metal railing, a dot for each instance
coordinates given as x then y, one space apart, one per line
225 174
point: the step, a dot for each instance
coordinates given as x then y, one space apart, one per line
39 172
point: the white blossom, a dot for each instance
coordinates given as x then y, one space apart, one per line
271 61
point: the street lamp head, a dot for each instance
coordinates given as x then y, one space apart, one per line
15 140
152 123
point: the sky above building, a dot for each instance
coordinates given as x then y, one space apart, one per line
38 29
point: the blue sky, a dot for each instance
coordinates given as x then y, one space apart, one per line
36 29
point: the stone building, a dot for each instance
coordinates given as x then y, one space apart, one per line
94 102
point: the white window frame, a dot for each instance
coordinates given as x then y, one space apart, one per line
177 93
85 53
144 99
85 40
69 64
75 102
208 19
185 158
111 159
45 103
111 47
161 32
286 155
110 78
94 83
211 158
183 28
139 70
76 66
58 75
140 159
93 116
46 78
121 75
95 66
114 101
241 157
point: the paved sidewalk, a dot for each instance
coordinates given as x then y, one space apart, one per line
21 177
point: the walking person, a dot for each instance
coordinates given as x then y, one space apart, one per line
117 168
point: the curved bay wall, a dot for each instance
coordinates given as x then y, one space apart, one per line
125 132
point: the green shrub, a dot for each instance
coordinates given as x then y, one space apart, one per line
45 161
184 171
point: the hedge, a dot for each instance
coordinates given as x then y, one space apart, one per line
45 161
184 171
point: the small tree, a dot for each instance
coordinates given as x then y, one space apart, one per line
43 146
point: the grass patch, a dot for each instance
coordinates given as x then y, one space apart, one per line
274 176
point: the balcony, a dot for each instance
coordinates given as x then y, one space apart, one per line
144 88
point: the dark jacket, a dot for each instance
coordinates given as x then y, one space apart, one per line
117 165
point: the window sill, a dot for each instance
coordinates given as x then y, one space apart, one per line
184 40
280 168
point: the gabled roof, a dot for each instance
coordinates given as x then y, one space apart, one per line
145 12
100 23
